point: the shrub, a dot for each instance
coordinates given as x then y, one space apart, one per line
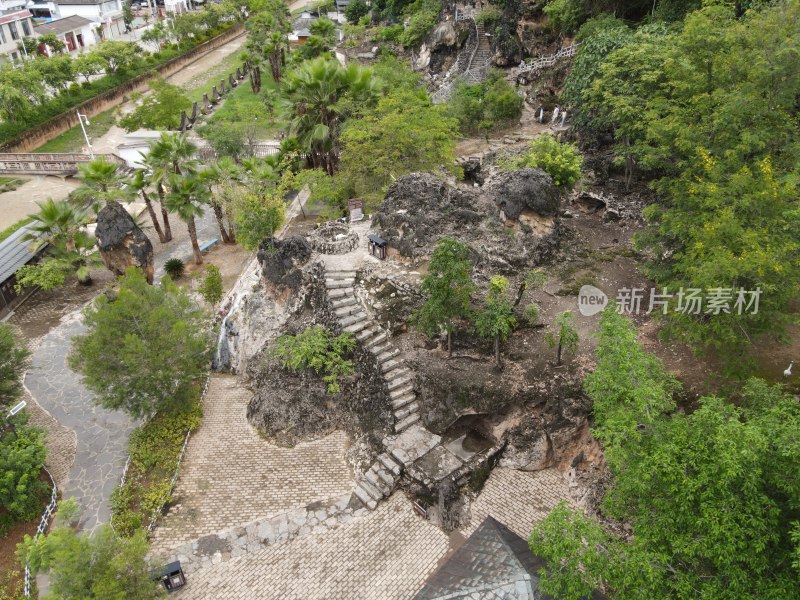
531 314
22 453
317 349
562 161
566 15
175 268
487 105
355 10
422 17
211 287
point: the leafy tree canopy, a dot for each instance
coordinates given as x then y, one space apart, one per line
161 109
145 349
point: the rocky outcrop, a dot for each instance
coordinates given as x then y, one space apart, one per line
420 209
121 242
281 261
515 191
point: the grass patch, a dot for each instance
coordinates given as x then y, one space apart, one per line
242 105
12 228
154 450
72 139
8 184
201 84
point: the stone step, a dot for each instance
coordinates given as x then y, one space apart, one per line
390 464
401 456
402 413
378 483
346 301
365 498
333 284
366 335
402 401
398 382
387 478
374 492
353 319
388 354
341 293
390 366
379 338
356 327
347 310
340 274
379 349
407 422
400 392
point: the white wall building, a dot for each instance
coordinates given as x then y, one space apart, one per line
106 15
75 31
14 26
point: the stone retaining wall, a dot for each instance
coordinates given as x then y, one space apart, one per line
44 132
342 246
316 517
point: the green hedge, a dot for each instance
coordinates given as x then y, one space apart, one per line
77 94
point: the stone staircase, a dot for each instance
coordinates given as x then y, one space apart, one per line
379 481
478 66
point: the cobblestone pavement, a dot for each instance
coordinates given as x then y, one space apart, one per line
386 555
102 435
231 476
61 441
518 499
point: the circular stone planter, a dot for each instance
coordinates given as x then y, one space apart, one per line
333 238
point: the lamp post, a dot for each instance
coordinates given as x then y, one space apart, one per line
81 118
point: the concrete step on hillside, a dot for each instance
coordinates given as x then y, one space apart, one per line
389 366
401 391
346 301
400 381
407 422
379 338
408 409
378 349
367 335
390 464
387 355
365 498
377 481
373 491
352 319
386 476
345 311
340 274
333 284
403 401
341 293
356 327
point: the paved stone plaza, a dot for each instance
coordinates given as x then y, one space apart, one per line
102 435
232 476
386 555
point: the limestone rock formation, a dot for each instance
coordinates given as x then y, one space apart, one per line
527 189
420 208
121 242
281 261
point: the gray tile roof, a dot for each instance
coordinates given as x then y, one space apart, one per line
60 26
493 564
15 252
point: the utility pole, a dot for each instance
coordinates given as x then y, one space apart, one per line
81 117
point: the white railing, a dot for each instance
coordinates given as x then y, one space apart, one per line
544 62
43 522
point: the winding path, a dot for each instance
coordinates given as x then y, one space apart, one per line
102 435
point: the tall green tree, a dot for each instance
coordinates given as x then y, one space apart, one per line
102 181
318 95
140 183
187 197
495 320
159 110
404 133
258 217
83 567
145 351
447 288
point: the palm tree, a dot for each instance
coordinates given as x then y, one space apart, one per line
139 183
171 154
101 182
57 222
187 196
314 94
210 177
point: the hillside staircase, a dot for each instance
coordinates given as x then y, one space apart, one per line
471 65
